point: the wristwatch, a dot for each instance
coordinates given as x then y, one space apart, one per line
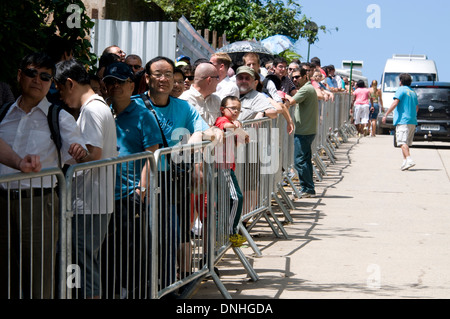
142 189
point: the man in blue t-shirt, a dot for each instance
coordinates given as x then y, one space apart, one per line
177 118
405 107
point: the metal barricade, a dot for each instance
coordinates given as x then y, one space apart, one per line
30 229
256 165
185 193
114 244
108 229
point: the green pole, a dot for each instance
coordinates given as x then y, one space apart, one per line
350 84
351 76
309 45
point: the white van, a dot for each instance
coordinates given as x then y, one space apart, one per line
418 66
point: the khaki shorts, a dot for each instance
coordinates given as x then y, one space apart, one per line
405 134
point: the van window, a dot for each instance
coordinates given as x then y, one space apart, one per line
392 80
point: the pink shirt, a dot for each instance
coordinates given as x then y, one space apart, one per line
362 96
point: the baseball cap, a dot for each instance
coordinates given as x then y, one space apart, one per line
119 70
181 57
180 63
246 69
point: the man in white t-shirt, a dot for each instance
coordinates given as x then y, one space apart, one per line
226 87
93 190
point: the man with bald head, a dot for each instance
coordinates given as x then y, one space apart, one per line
115 49
201 94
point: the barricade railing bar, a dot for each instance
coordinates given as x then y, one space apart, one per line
108 241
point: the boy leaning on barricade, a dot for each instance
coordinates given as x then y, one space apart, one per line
29 230
230 108
93 190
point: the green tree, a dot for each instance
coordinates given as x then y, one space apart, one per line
27 26
242 19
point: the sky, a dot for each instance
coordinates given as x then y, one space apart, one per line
372 31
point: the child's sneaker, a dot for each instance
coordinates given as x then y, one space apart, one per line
237 240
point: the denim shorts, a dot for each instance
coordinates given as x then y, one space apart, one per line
373 115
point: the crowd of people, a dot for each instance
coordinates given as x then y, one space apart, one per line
127 108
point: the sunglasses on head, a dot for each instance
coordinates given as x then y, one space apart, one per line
32 73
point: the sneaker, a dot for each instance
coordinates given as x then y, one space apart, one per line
308 195
408 165
237 240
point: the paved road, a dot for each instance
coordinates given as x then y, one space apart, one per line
375 232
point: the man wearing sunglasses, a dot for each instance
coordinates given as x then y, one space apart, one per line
29 230
202 95
135 62
296 78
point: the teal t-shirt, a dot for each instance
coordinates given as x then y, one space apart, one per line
406 110
137 130
175 117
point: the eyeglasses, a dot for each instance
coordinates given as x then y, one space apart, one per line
167 75
136 66
109 81
190 78
32 73
233 108
296 77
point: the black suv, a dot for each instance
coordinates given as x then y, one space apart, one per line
433 117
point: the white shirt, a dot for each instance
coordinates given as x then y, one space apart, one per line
272 89
93 190
208 108
227 87
29 133
253 103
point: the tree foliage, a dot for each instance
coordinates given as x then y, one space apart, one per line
27 26
243 19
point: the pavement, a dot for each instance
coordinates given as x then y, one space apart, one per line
373 232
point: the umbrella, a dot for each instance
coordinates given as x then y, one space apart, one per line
237 50
277 43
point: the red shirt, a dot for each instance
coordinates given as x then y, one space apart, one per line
227 158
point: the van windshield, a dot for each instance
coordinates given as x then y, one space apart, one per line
392 80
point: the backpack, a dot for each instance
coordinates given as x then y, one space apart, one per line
275 80
53 124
